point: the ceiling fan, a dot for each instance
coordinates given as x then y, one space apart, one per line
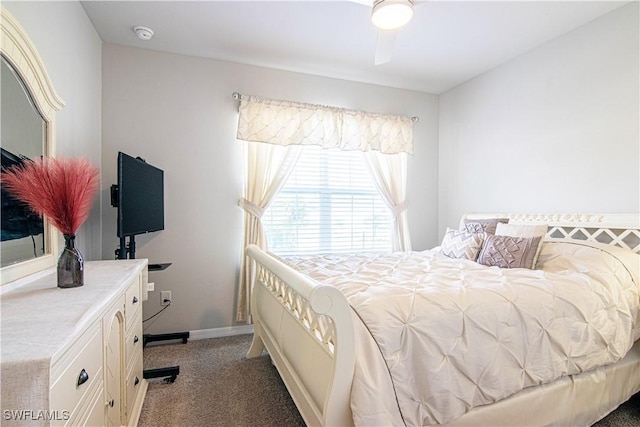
388 16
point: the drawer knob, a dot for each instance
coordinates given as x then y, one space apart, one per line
135 339
135 300
136 381
83 377
112 402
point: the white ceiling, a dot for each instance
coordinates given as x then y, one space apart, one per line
446 43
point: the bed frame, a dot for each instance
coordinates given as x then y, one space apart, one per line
307 329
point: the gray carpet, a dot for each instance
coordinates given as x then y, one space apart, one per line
218 386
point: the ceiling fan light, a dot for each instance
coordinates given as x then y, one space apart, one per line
391 14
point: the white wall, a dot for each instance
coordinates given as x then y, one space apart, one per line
177 112
555 130
72 53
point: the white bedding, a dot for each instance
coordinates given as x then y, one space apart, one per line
451 334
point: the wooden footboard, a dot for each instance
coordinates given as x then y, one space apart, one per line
307 329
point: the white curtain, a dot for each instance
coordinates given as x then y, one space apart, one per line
294 123
267 168
389 173
275 132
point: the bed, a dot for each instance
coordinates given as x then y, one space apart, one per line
422 338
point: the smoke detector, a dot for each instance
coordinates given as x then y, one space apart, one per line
143 33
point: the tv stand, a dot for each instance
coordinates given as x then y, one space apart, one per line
127 250
158 267
170 373
184 336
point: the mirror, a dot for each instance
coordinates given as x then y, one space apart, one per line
22 137
28 104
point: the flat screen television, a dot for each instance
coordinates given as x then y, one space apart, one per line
139 196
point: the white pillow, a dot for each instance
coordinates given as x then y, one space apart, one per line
524 230
627 257
461 244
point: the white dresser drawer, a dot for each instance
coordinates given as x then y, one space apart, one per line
91 413
133 302
134 343
83 370
134 381
95 414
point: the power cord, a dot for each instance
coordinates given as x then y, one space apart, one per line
161 310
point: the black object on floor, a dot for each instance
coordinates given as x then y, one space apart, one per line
170 372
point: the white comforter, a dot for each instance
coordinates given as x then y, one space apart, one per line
452 334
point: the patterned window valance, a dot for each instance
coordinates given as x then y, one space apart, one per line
294 123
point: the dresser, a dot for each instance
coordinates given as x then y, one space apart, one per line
74 356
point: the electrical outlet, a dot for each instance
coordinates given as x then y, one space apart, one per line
165 297
150 286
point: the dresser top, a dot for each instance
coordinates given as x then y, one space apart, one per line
38 319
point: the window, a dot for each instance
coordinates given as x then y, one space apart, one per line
329 204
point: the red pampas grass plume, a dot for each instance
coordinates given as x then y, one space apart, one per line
61 189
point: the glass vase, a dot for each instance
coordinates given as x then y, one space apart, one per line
70 264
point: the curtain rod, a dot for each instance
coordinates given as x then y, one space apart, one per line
238 97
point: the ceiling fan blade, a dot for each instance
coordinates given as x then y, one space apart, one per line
384 46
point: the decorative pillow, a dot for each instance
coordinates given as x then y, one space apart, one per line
487 225
524 230
461 244
509 252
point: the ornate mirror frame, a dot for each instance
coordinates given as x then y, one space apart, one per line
17 48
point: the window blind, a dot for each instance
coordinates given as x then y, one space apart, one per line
328 205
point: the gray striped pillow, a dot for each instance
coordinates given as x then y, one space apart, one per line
461 244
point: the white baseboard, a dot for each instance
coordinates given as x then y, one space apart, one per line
228 331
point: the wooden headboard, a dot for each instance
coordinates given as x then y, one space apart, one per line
622 230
